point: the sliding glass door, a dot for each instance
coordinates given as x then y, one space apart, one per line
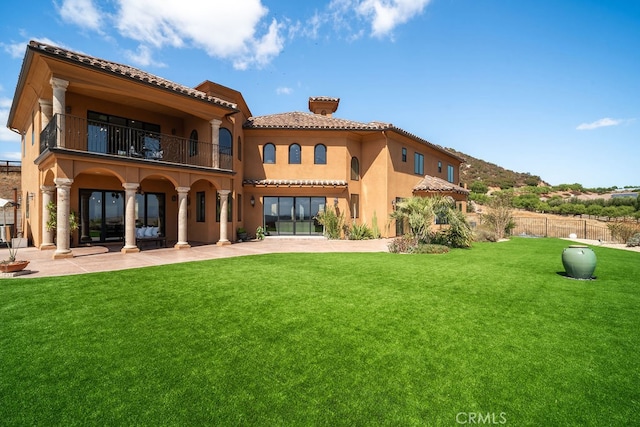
292 215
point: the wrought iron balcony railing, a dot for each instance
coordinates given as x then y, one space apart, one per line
79 134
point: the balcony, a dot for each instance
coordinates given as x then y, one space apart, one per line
68 132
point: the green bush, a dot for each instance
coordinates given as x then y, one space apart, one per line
332 222
359 232
634 240
430 248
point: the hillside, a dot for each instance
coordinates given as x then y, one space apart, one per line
493 175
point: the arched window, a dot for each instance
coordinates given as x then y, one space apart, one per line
193 143
226 142
295 156
269 153
355 169
320 155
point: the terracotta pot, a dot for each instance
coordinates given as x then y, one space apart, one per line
13 266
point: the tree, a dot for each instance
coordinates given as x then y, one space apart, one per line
500 215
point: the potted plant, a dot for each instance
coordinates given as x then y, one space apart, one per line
53 220
242 234
11 265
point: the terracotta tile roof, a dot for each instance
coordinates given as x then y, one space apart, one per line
310 121
296 182
298 120
126 71
324 98
435 184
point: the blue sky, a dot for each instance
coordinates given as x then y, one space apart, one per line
547 87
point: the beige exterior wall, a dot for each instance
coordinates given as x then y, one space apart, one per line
383 176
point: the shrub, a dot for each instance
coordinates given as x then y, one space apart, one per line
403 245
431 248
634 240
332 222
485 235
360 232
375 230
623 231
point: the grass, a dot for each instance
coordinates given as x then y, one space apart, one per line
328 339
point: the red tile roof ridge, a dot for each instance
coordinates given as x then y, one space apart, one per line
127 71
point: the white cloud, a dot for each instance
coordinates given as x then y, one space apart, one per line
82 13
600 123
284 91
385 15
142 57
6 135
225 30
15 50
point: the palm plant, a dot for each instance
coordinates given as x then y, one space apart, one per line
419 213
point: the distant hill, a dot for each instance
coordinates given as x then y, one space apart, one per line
493 175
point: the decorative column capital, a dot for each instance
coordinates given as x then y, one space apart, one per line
63 182
183 190
45 104
224 192
215 123
57 83
130 186
47 188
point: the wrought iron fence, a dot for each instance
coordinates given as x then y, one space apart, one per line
546 227
76 133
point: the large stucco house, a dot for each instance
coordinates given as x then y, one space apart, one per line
128 152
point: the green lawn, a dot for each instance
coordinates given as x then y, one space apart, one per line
329 339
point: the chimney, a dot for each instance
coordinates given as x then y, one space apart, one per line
323 105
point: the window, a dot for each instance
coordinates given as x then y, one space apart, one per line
418 164
225 148
450 173
320 155
355 206
193 143
404 154
120 135
239 197
439 166
200 207
33 128
239 148
269 153
295 157
355 169
229 207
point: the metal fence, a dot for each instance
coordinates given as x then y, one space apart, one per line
76 133
545 227
7 166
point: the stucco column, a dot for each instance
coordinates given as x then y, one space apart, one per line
182 218
130 217
215 142
59 90
63 186
47 235
46 112
224 217
85 232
